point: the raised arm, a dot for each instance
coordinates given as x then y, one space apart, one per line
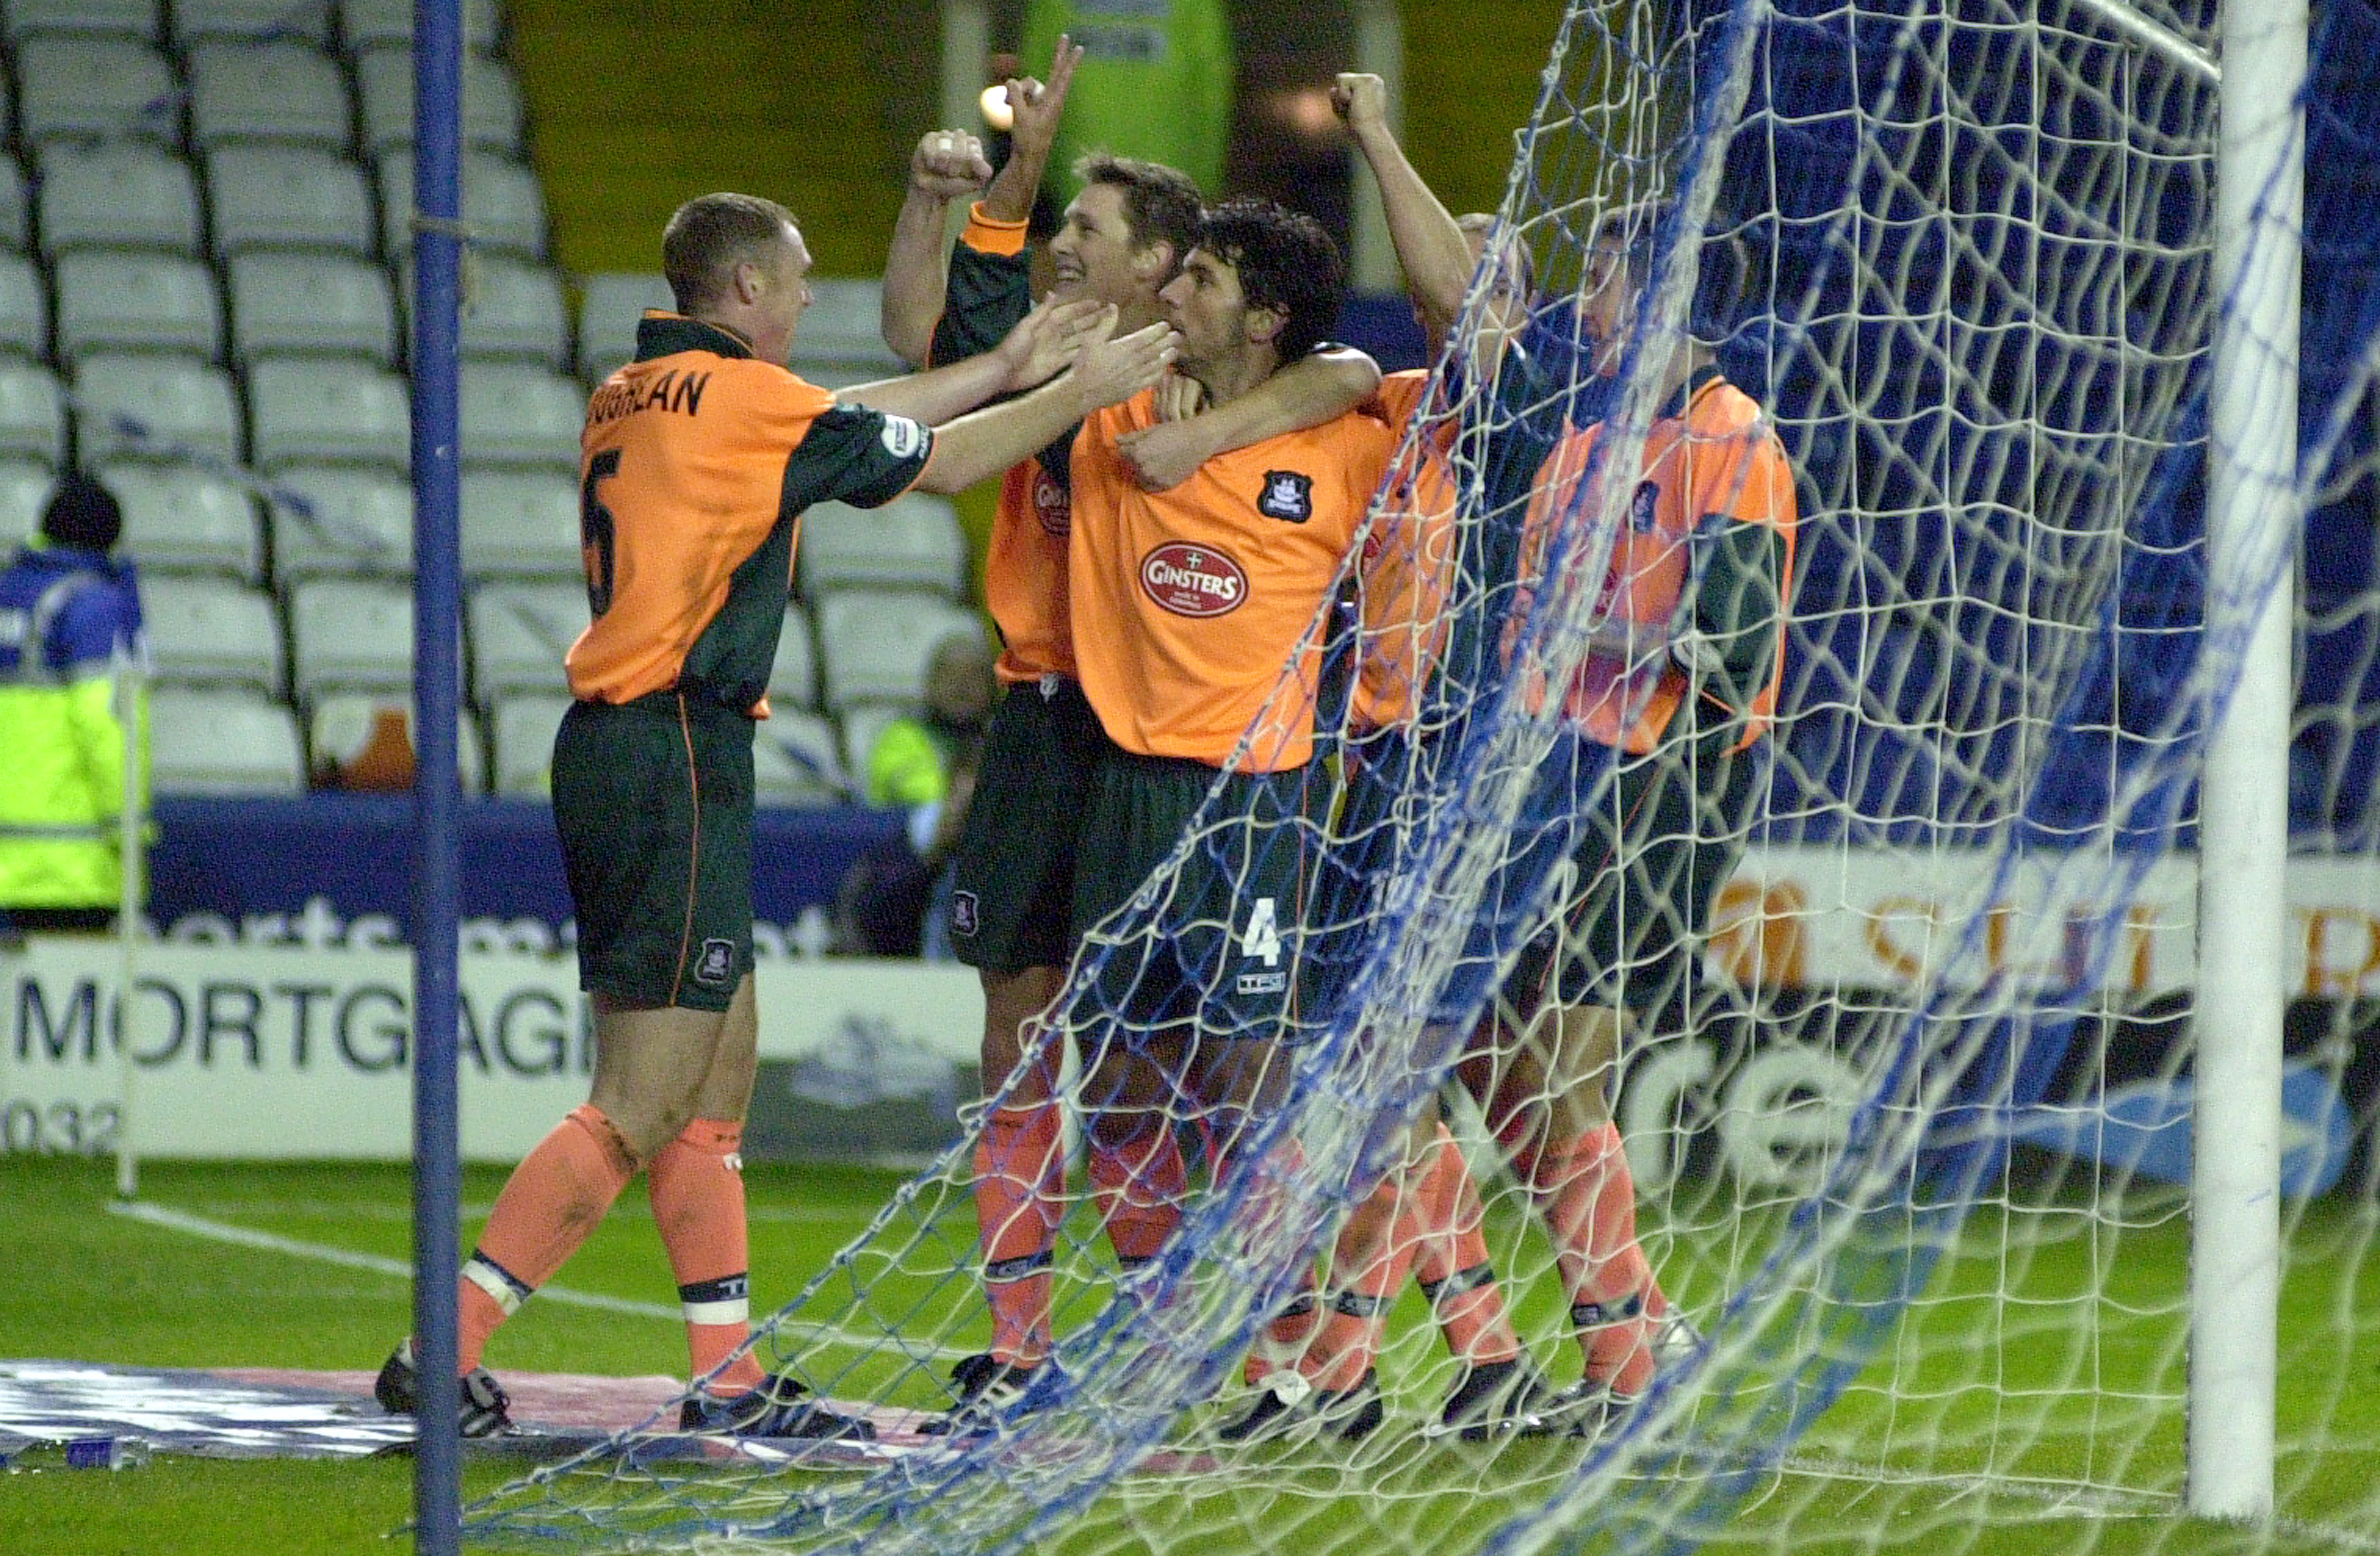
947 165
1035 108
1320 387
1435 254
986 442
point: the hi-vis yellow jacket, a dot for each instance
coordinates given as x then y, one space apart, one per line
69 627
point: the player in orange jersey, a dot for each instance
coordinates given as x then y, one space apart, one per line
1121 238
1650 783
1193 611
1425 1215
697 461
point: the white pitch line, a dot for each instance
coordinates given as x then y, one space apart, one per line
380 1264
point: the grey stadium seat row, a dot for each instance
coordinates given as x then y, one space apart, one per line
289 409
130 194
349 643
268 300
358 23
346 633
284 87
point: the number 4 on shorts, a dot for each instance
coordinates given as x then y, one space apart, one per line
1262 937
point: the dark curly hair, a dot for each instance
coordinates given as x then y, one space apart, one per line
1286 263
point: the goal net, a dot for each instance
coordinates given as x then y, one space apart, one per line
1909 1122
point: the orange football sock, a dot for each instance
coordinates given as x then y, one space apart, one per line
1368 1263
1588 1197
695 1183
1451 1261
1020 1177
1139 1183
558 1195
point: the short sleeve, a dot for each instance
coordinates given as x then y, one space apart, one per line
857 455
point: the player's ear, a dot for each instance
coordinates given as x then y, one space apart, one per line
746 281
1153 261
1263 324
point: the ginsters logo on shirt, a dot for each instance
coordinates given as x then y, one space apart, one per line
1287 494
1050 503
1193 580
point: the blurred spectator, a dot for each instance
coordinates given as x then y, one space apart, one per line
892 904
69 640
1155 81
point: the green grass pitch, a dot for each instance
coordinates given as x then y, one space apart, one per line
89 1286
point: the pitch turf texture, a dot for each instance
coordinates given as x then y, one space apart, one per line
85 1285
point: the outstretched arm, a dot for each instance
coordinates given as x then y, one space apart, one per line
1042 343
987 442
948 164
1316 388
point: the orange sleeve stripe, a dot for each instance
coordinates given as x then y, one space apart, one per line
990 235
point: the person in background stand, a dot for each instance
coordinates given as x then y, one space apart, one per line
926 765
69 632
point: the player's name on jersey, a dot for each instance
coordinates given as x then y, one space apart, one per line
674 390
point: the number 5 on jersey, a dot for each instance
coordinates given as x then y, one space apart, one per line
595 530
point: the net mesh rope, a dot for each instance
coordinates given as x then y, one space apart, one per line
1896 1142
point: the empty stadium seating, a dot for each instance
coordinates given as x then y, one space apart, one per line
911 542
218 741
181 519
123 193
874 644
205 245
350 634
212 631
283 90
288 301
328 408
334 520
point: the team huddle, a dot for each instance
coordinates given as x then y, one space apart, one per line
1188 470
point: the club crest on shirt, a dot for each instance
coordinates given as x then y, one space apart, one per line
903 439
964 916
1287 494
1051 504
1192 580
716 964
1643 509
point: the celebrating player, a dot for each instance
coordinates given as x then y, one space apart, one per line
1123 238
697 461
1425 1214
1649 780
